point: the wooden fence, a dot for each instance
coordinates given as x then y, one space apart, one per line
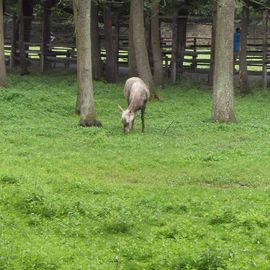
197 54
62 51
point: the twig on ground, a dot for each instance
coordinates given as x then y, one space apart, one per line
167 127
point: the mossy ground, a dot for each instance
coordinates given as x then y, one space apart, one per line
186 194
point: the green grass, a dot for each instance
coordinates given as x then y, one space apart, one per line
186 194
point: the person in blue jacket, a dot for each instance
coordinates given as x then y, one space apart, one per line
236 44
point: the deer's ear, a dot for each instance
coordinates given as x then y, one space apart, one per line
120 108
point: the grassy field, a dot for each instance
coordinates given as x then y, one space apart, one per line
186 194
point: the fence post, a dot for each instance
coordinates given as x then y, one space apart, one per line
194 57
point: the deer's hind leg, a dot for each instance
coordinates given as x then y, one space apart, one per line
142 117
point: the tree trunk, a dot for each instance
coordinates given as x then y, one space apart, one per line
132 69
111 68
23 60
223 91
45 33
243 74
265 15
148 36
213 35
85 97
95 40
28 6
3 81
175 46
182 34
141 55
116 29
14 38
155 41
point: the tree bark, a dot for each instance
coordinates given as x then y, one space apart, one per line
213 35
265 15
28 6
95 40
175 46
148 36
45 33
116 29
182 34
85 98
3 80
223 91
155 42
132 69
23 60
14 38
141 55
243 73
111 68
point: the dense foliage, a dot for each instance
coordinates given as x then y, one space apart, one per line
195 7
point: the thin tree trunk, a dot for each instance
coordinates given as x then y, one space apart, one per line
148 36
213 35
132 69
95 40
23 60
142 59
243 74
223 92
111 68
78 37
28 6
14 44
45 34
3 80
155 40
85 97
182 34
265 15
116 30
175 46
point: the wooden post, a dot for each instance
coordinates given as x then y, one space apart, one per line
166 65
23 63
194 57
264 47
174 71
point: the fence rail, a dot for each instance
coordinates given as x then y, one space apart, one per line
196 59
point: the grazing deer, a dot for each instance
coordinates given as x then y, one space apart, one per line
137 94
